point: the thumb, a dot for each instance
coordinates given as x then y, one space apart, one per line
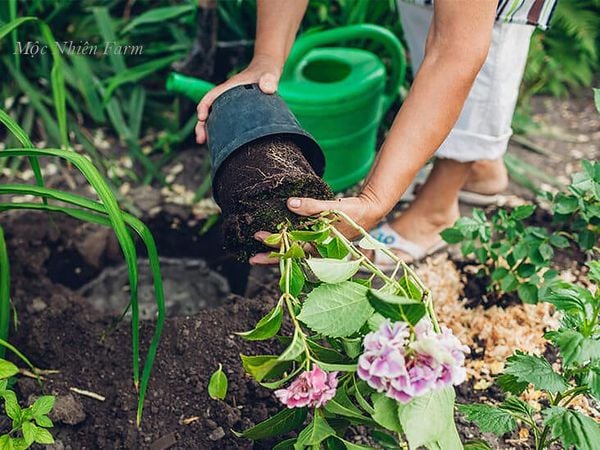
268 83
310 206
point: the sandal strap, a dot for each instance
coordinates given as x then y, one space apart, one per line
385 234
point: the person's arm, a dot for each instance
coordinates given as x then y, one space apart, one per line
277 23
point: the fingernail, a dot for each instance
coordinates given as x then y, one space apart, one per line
295 203
258 236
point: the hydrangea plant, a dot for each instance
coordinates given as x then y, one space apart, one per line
360 347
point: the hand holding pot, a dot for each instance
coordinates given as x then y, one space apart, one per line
263 70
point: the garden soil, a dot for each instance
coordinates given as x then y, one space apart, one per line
252 187
59 329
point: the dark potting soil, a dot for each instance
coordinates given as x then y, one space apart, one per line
253 185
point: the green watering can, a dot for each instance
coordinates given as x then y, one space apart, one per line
338 94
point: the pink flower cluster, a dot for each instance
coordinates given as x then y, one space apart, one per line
313 388
404 368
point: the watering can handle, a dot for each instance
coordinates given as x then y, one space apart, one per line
307 42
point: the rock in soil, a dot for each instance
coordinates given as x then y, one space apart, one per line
252 187
68 410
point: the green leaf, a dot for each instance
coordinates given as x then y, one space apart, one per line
7 369
489 419
316 432
499 273
295 349
592 379
597 98
353 446
341 405
396 307
288 444
43 436
559 241
260 366
158 15
526 270
386 412
297 279
267 327
522 212
573 428
310 236
43 421
217 386
594 273
29 432
295 251
335 249
568 297
42 405
336 310
273 239
510 383
11 405
333 367
509 283
429 421
452 235
281 423
574 347
546 251
332 271
528 292
535 370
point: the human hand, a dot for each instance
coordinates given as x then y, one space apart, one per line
362 209
263 70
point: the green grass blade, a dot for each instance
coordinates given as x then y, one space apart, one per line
118 224
105 25
137 73
12 13
87 88
158 15
7 28
98 216
20 134
137 101
4 290
16 351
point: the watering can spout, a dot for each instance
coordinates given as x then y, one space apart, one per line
193 88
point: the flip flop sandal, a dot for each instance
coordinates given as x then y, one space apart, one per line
386 235
475 199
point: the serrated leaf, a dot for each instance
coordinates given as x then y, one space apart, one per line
489 419
295 349
336 310
332 271
7 369
281 423
535 370
568 297
396 307
267 327
217 386
335 248
386 412
429 421
522 212
510 383
592 379
573 428
574 347
42 405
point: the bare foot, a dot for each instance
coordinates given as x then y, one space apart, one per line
487 177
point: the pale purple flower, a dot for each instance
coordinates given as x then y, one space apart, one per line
406 369
313 388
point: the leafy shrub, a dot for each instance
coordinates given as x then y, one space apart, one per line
515 257
364 350
578 209
577 341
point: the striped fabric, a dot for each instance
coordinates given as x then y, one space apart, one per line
530 12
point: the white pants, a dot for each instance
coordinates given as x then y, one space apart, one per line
483 128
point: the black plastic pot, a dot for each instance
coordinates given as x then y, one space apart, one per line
244 114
